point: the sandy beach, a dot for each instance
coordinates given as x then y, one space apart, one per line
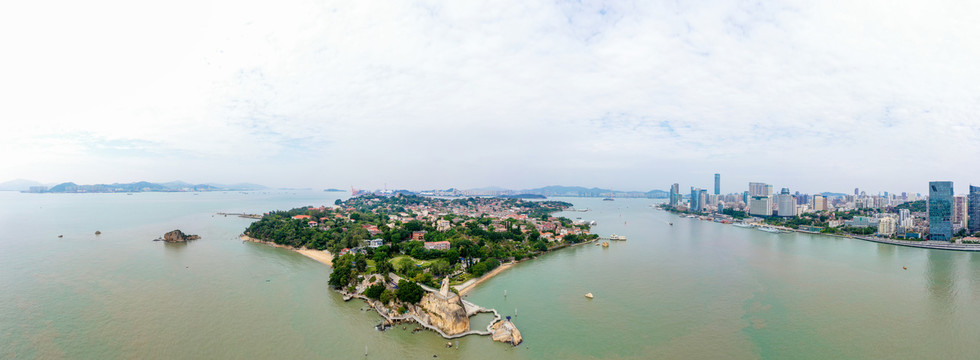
472 284
322 256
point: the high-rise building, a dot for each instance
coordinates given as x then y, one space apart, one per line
787 204
905 219
702 199
675 194
960 214
717 184
856 193
974 209
940 210
819 203
757 189
695 201
760 206
886 226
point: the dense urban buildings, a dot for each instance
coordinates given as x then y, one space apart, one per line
940 210
940 216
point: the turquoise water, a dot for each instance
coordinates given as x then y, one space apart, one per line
692 290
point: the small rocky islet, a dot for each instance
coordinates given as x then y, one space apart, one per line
176 236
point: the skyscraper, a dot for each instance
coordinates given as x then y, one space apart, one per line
757 189
974 208
702 199
960 214
940 210
786 203
695 195
717 184
675 194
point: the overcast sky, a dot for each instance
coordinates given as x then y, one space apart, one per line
810 95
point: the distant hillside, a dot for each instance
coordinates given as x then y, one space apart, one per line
145 186
578 191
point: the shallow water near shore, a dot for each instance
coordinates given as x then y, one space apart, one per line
692 290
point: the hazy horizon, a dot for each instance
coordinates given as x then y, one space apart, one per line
431 95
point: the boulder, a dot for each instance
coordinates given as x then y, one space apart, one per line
505 331
178 236
445 313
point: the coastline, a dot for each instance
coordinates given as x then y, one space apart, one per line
322 256
924 244
472 283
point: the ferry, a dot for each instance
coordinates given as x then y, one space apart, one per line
617 237
742 225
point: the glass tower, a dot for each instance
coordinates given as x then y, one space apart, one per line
941 210
973 204
717 184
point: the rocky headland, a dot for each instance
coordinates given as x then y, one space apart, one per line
177 236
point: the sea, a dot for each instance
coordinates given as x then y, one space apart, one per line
677 288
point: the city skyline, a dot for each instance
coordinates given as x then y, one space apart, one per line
634 96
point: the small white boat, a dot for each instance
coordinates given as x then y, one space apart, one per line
589 295
617 237
742 225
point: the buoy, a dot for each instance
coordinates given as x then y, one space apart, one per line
904 268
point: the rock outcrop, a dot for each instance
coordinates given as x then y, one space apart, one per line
505 331
178 236
445 313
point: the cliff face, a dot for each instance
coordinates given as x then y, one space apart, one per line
505 331
448 315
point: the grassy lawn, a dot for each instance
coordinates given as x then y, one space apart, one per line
372 266
396 259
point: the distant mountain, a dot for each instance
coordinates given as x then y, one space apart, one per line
18 185
141 186
238 186
568 190
575 191
488 188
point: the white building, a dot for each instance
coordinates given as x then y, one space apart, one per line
887 225
787 205
760 206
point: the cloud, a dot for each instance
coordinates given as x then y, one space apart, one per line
812 96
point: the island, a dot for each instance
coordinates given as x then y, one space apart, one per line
412 258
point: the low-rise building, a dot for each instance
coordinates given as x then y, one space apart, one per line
437 245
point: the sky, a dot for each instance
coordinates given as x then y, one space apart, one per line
809 95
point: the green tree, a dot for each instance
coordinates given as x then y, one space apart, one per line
374 291
409 292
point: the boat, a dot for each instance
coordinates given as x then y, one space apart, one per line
605 244
589 295
608 199
617 237
769 229
671 224
742 225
